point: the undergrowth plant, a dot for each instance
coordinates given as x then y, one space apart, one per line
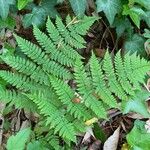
40 80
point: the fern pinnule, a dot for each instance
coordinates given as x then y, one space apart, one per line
99 83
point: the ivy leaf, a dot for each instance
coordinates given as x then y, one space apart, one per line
4 8
135 43
36 17
135 14
121 25
18 141
137 104
78 7
49 7
138 138
110 8
22 3
146 18
144 3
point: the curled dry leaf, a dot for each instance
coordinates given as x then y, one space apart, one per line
87 135
112 142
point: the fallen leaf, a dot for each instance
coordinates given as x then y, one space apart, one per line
87 135
112 142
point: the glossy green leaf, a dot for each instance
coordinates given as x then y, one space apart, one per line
137 104
109 7
135 14
18 141
121 26
22 3
49 7
144 3
146 18
4 8
78 6
36 17
138 138
135 43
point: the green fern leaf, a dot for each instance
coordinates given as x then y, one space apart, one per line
99 83
121 75
55 118
114 85
67 95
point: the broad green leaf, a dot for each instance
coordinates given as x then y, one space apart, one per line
22 3
110 8
36 17
135 44
137 104
144 3
138 138
49 7
8 23
4 8
147 33
99 133
36 145
147 18
135 14
18 141
121 26
78 7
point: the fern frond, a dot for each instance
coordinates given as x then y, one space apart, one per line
55 54
99 83
66 95
73 33
55 117
129 71
19 81
27 67
81 78
139 67
121 75
56 70
84 88
17 99
95 105
114 85
37 55
69 52
53 32
82 26
66 34
31 50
